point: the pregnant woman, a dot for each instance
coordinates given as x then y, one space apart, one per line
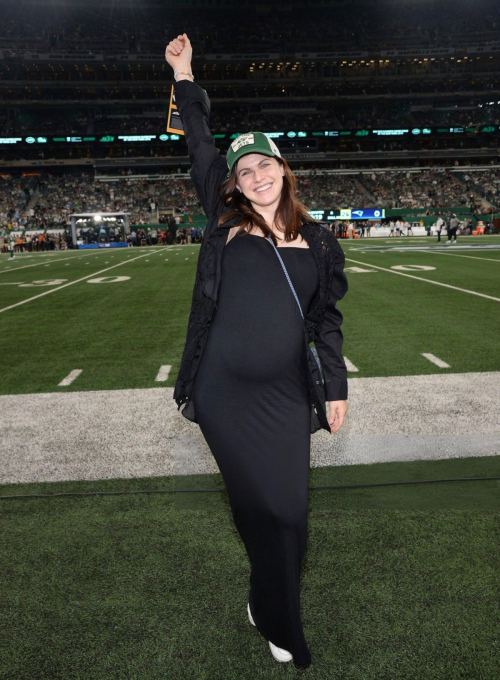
245 373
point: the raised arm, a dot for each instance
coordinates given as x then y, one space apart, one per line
208 167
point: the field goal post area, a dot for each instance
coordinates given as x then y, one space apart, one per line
96 219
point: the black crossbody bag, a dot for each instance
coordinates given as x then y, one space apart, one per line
312 354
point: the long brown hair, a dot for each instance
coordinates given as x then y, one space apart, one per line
290 211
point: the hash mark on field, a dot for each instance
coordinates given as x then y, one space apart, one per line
350 366
69 378
163 373
436 360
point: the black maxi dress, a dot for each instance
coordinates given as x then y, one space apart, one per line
253 408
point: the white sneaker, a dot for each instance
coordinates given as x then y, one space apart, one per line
280 654
448 241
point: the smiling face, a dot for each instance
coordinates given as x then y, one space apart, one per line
260 178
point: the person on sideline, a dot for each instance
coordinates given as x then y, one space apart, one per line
246 370
452 232
439 227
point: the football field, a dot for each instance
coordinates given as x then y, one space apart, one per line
93 340
118 317
122 559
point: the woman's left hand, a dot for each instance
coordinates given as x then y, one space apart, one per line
336 414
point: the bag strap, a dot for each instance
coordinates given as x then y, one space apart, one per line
286 274
313 350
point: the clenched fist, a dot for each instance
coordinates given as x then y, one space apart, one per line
179 53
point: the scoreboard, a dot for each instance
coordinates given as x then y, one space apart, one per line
290 135
348 214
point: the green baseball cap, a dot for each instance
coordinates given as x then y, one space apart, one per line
250 142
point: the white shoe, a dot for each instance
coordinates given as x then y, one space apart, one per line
280 654
447 241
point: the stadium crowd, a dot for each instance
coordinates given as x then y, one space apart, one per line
51 199
427 188
142 28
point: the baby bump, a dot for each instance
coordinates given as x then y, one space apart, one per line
254 347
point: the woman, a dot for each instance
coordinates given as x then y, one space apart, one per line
244 375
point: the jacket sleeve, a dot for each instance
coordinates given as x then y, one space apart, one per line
330 339
208 167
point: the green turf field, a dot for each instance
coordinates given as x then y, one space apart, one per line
119 332
399 582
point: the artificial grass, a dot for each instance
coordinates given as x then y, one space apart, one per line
147 586
120 333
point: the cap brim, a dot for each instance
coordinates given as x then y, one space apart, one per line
263 153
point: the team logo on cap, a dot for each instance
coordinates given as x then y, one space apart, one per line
243 140
273 146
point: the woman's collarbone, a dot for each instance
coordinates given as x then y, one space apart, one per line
297 243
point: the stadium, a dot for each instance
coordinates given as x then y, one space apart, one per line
120 555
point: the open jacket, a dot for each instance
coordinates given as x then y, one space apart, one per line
321 322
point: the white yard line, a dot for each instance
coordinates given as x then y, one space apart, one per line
350 366
78 254
70 377
469 257
436 360
71 283
40 264
163 373
420 278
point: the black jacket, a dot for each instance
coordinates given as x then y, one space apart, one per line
323 319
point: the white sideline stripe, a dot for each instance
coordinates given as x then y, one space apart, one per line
100 251
69 378
40 264
469 257
71 283
163 373
420 278
436 360
350 366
